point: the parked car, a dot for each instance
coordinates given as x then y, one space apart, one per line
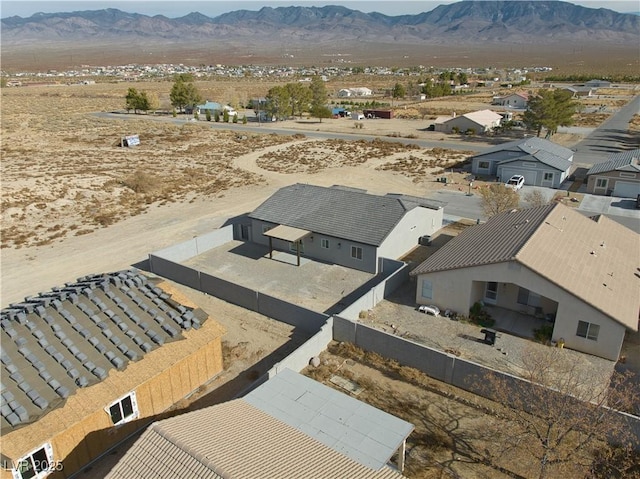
515 182
429 309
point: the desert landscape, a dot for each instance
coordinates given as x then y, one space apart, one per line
74 202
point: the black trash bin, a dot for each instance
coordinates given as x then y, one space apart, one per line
489 336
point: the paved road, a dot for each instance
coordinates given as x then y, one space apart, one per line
609 138
471 144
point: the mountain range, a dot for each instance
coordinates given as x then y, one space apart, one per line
465 22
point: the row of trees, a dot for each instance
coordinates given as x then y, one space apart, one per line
293 99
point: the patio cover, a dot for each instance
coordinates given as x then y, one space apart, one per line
287 233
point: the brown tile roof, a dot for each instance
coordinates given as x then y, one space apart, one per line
597 261
235 440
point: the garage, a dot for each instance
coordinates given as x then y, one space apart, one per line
530 176
625 189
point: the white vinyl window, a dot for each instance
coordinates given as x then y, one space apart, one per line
427 289
356 252
601 182
324 243
588 330
124 409
37 464
548 176
483 165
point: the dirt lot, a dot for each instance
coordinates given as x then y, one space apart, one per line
74 203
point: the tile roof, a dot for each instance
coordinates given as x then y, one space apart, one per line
339 212
535 148
483 116
596 261
361 432
73 337
235 440
624 161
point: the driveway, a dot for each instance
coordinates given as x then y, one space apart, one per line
622 210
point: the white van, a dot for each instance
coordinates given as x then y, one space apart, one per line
357 116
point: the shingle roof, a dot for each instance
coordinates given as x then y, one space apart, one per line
342 213
534 148
557 243
235 440
624 161
72 337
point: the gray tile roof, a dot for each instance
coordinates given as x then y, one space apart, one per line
596 261
238 440
71 337
624 161
535 149
339 212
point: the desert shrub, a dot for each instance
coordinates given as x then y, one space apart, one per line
174 113
140 182
455 129
480 316
244 120
225 116
208 115
543 333
470 131
216 118
235 119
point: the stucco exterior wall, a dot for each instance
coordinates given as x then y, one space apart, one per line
493 159
404 237
612 177
459 289
521 167
338 252
462 123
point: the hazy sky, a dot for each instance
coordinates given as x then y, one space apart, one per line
213 8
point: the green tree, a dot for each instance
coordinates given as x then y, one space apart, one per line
132 100
207 115
497 198
550 109
225 116
462 78
299 98
398 91
136 100
184 93
319 95
277 104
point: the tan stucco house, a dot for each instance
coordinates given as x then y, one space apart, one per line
548 261
479 122
289 426
619 176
